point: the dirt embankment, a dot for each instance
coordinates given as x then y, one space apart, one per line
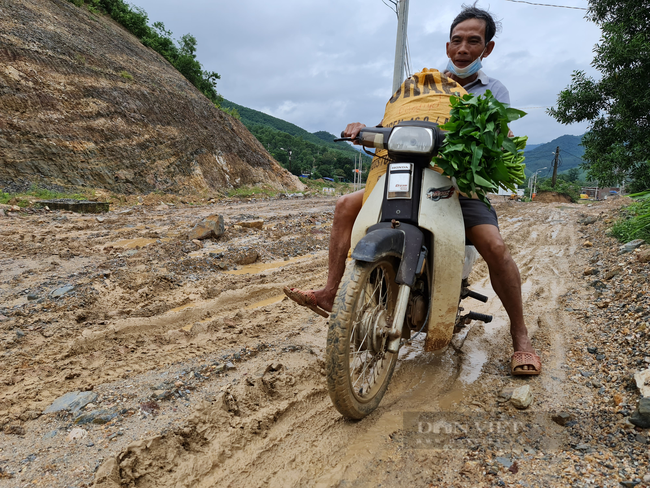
84 104
200 374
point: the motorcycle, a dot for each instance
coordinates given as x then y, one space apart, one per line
409 269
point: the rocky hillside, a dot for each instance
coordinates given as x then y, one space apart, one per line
84 103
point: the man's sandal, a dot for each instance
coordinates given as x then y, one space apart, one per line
520 359
305 299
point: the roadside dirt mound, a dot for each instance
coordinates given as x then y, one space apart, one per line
551 197
85 104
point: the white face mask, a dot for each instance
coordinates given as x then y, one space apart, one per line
468 70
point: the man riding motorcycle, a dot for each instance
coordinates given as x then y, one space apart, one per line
470 41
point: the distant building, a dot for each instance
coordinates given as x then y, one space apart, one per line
601 193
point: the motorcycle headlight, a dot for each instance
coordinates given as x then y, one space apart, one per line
411 140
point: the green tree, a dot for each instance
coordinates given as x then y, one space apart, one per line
573 175
617 145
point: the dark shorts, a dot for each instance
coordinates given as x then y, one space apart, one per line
475 212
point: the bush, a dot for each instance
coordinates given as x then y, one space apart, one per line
635 223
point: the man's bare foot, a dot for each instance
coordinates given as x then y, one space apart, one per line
325 298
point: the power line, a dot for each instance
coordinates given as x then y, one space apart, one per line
579 157
547 5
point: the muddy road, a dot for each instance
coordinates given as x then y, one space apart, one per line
192 370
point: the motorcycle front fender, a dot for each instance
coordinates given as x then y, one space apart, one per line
378 244
404 242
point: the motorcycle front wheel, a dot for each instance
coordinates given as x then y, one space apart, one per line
359 367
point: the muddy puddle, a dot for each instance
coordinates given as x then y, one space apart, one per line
261 267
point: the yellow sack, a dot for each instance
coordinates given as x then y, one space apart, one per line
423 96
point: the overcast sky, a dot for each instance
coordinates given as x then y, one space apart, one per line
322 64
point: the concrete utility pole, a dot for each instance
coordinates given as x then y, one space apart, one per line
400 47
555 165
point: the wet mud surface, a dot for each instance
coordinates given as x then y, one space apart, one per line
201 373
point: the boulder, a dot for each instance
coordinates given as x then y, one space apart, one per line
211 226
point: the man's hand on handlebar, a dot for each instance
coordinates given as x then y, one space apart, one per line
352 130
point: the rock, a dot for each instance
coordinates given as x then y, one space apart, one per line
14 430
76 434
641 439
229 366
630 246
644 256
561 418
2 212
592 350
522 397
100 417
504 461
252 224
505 394
588 220
643 382
613 272
59 292
630 484
586 374
32 297
590 271
588 244
73 401
646 478
161 394
246 257
100 219
641 417
583 447
211 226
197 243
598 285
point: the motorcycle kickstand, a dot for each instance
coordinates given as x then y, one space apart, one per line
458 340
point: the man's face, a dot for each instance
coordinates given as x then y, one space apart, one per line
468 42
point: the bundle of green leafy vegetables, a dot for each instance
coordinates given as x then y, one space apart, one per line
477 150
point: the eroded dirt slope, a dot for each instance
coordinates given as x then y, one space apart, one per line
205 376
84 103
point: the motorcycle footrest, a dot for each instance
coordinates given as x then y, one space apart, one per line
478 316
476 296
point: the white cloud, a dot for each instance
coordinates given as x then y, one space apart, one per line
323 64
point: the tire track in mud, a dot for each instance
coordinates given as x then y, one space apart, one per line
278 427
428 382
